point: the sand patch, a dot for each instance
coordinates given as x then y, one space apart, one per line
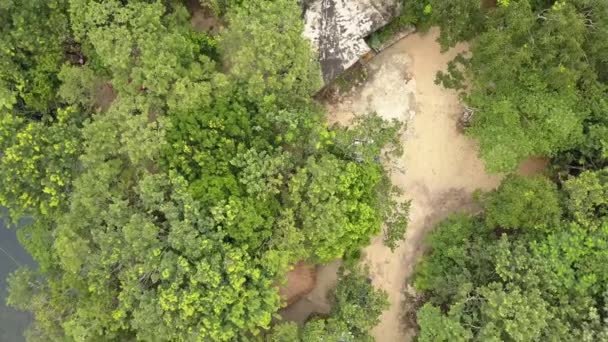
203 19
439 170
103 96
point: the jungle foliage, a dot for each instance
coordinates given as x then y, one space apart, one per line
531 265
508 274
535 79
173 175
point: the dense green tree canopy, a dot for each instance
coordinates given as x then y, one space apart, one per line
39 135
522 275
531 265
174 176
535 77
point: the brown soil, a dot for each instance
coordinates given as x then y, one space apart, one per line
104 95
300 281
317 301
203 19
533 166
439 171
440 168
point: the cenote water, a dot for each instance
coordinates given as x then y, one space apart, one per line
12 255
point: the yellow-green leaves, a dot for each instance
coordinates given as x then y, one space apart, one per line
38 162
170 210
428 9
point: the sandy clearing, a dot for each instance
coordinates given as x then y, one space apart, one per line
104 95
533 166
439 170
203 19
316 301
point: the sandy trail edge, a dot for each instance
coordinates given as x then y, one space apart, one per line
441 172
438 172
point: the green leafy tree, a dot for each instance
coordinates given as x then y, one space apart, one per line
219 7
148 264
371 139
458 259
172 212
523 203
588 197
541 281
78 85
38 162
512 315
437 327
528 80
33 37
459 20
263 48
39 136
337 215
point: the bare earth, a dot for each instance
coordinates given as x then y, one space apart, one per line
438 172
316 301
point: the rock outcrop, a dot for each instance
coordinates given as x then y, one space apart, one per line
338 28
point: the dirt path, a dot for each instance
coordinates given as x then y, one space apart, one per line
439 170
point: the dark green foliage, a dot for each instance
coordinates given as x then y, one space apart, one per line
369 138
523 270
39 137
396 215
34 35
458 261
401 22
220 7
373 140
534 80
358 303
459 20
437 327
588 197
78 85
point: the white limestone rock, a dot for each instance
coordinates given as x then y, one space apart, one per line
338 28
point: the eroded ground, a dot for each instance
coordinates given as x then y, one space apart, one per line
438 172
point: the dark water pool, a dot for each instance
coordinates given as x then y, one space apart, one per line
12 322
